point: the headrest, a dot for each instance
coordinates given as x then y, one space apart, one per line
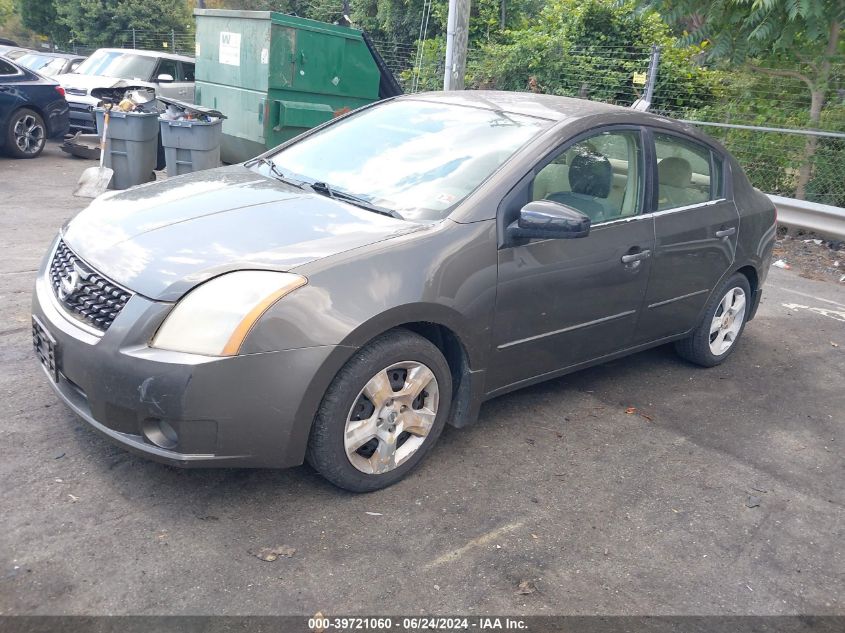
674 172
590 174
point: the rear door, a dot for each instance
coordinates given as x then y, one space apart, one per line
696 227
9 99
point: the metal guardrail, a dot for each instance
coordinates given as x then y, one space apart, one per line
823 219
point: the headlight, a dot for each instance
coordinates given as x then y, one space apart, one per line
214 318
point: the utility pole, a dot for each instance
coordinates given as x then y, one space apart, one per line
457 34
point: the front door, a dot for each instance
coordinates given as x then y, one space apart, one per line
696 227
561 302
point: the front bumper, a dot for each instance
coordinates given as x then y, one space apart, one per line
245 411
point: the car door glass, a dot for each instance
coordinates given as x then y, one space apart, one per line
167 67
683 172
599 176
7 69
187 73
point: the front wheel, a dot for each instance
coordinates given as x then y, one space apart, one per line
26 134
715 337
382 413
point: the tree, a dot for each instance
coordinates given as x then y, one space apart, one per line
40 16
796 39
104 22
593 48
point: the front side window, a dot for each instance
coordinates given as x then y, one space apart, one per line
187 73
118 65
599 176
417 158
683 172
167 67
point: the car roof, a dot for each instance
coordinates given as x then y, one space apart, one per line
558 109
57 55
145 53
544 106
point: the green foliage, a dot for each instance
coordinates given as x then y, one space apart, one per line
40 16
103 22
749 29
592 49
7 9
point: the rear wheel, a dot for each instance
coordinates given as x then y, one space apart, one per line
26 134
721 326
382 413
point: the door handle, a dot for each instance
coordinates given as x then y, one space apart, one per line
635 257
726 232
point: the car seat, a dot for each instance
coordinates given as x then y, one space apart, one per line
590 177
674 175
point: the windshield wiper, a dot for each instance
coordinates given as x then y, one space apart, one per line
275 171
326 190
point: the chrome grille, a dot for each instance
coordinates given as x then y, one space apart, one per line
76 91
83 292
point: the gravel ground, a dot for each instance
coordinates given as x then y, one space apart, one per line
812 256
643 486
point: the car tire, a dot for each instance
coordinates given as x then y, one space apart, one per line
399 380
716 335
26 134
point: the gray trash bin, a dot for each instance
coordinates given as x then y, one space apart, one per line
131 146
191 145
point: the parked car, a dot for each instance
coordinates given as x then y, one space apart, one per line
169 75
343 296
13 52
32 109
51 64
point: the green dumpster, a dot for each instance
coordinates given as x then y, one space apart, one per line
275 76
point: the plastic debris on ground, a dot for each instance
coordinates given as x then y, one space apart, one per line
781 264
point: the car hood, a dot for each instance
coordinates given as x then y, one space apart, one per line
162 239
74 81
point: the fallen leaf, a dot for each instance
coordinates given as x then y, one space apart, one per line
834 344
269 554
534 536
631 410
73 498
525 588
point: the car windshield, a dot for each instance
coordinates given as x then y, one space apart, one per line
416 158
118 65
43 64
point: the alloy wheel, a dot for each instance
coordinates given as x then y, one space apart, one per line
29 134
391 417
727 321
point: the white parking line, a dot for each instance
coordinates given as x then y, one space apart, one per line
804 294
836 315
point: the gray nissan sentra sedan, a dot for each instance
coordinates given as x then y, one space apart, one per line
341 298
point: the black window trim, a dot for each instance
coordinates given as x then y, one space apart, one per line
714 154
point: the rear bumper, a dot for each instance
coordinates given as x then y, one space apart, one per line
81 114
244 411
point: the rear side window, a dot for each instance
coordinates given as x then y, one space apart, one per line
684 173
7 69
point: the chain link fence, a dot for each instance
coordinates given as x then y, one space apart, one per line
761 118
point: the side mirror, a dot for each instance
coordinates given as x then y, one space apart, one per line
544 219
164 78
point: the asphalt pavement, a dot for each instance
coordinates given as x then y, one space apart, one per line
643 486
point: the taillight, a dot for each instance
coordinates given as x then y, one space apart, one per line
60 90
